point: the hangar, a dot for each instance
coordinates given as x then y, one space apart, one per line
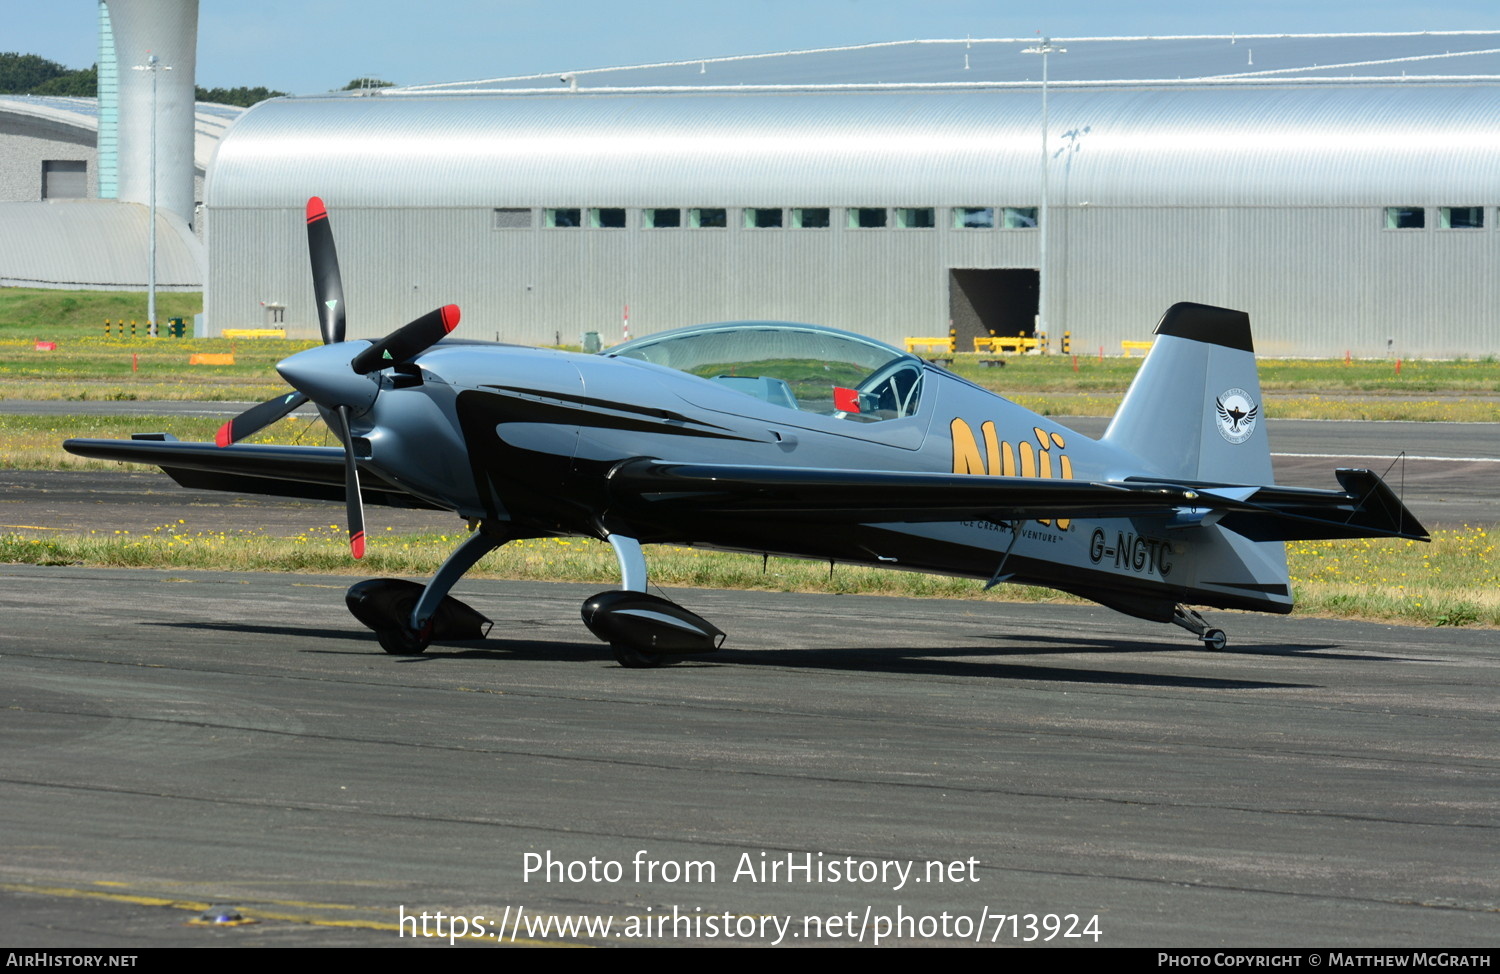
898 190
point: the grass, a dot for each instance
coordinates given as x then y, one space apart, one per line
87 365
1055 373
1453 581
114 369
54 314
1423 391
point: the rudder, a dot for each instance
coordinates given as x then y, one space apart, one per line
1194 411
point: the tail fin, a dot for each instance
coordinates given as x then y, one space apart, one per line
1194 411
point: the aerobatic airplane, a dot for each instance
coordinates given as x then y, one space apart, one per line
787 439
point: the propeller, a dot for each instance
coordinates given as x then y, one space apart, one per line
328 287
332 376
257 418
354 504
408 341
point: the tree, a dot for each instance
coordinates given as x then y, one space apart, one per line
360 84
19 73
243 97
77 84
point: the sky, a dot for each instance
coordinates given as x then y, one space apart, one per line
307 46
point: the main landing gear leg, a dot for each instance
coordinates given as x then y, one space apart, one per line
1194 623
632 562
642 629
406 616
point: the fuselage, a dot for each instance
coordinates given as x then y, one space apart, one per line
529 436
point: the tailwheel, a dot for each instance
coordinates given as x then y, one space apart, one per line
1194 623
632 658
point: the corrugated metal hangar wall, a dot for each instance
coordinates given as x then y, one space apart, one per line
1344 216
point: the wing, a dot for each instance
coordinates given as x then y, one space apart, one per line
311 472
662 490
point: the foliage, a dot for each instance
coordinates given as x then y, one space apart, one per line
70 314
74 84
243 97
361 84
30 74
20 73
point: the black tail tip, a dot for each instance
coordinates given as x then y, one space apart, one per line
1205 323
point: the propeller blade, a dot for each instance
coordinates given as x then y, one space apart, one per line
257 418
408 341
354 505
327 285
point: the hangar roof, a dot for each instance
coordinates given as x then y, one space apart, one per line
83 114
1004 60
94 244
1430 143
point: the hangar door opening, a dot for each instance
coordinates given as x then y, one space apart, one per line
986 302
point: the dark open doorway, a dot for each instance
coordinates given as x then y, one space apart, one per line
985 302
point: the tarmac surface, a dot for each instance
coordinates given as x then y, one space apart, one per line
174 740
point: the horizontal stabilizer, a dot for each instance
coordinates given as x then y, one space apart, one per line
1365 508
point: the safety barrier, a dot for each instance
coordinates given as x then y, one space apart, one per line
931 345
1016 344
175 328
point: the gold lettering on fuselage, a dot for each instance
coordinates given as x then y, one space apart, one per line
1000 458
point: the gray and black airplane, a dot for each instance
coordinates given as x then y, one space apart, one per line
787 439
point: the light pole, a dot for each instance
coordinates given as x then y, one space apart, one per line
1044 48
154 65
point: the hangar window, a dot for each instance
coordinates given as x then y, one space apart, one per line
607 218
915 218
867 217
810 218
510 218
710 218
1405 218
1020 218
561 218
661 219
1462 218
759 218
973 217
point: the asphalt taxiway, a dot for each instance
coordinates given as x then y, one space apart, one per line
181 739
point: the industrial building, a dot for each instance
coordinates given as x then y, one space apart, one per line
79 176
897 190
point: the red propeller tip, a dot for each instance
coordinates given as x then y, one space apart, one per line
225 435
450 317
357 544
315 210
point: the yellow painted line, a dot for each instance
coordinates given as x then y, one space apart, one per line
30 527
195 906
74 893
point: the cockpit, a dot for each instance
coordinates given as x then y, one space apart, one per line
803 367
